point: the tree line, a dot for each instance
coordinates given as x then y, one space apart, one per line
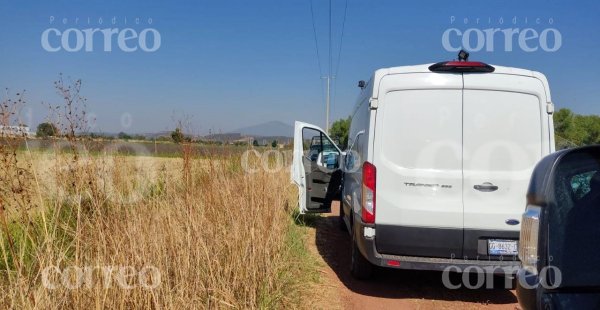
572 129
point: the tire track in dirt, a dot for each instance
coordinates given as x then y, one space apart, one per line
389 289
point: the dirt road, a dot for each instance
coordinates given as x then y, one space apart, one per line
390 289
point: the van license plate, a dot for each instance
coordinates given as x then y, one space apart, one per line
502 247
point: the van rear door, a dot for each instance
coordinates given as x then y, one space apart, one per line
504 127
417 152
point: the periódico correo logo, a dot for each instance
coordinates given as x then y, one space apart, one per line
131 37
526 34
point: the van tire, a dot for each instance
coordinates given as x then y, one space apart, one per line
360 267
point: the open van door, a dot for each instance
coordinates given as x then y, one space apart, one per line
315 168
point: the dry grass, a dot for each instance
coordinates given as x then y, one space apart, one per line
219 237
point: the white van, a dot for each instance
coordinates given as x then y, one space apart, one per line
437 167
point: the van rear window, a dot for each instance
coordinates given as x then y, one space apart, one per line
502 131
422 129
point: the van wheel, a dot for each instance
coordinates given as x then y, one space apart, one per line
360 267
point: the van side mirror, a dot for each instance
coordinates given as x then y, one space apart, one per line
342 161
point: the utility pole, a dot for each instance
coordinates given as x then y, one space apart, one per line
329 77
327 105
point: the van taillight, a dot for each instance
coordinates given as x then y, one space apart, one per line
461 66
528 240
369 173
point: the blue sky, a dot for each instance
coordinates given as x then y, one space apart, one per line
231 64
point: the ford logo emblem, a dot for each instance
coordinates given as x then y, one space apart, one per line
512 222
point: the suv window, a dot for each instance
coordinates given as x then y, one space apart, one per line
573 221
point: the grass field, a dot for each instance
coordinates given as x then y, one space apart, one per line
113 231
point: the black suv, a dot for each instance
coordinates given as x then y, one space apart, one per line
560 233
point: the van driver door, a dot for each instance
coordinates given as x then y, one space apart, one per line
315 168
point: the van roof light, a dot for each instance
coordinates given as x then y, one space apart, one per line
462 65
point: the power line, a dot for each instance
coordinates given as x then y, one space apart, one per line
329 75
341 39
312 15
330 41
339 58
330 65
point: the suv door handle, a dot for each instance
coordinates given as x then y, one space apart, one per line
486 187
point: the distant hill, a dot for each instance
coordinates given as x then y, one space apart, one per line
268 129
